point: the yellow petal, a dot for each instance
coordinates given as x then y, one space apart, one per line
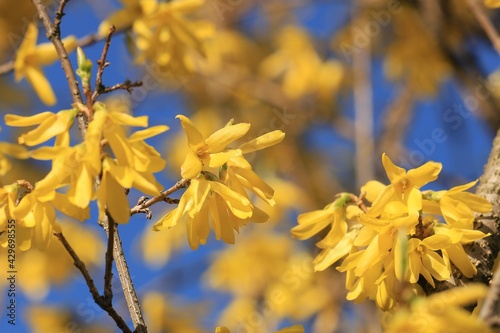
311 223
15 120
253 182
379 204
121 118
331 255
215 160
191 167
147 133
393 171
263 141
116 201
474 202
238 204
200 189
435 264
195 138
223 137
425 173
40 84
437 242
460 259
372 190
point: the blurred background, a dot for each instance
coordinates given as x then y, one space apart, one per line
345 80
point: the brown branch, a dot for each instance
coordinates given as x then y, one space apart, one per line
133 304
127 85
140 207
108 273
101 64
63 58
98 299
58 18
485 23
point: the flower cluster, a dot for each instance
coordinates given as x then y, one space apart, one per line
220 177
405 236
161 33
106 155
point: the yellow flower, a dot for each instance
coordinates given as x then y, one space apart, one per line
50 125
313 222
404 185
424 260
455 252
300 66
440 312
204 198
30 58
383 240
110 194
209 152
458 207
125 17
168 39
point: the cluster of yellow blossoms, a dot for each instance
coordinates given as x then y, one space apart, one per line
106 154
161 33
406 236
219 179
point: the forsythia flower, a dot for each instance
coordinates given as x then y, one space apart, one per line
223 198
129 162
163 35
406 234
440 312
30 58
50 125
299 64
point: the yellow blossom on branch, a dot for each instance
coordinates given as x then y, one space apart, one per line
30 59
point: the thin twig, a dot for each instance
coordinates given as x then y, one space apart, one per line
58 18
127 85
125 279
98 299
108 273
485 23
101 64
139 208
63 58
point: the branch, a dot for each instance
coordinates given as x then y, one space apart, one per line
53 34
108 273
141 207
98 299
133 304
485 23
101 63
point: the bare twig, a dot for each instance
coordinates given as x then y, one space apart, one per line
125 279
127 85
485 23
63 58
58 18
98 299
140 207
108 273
101 64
